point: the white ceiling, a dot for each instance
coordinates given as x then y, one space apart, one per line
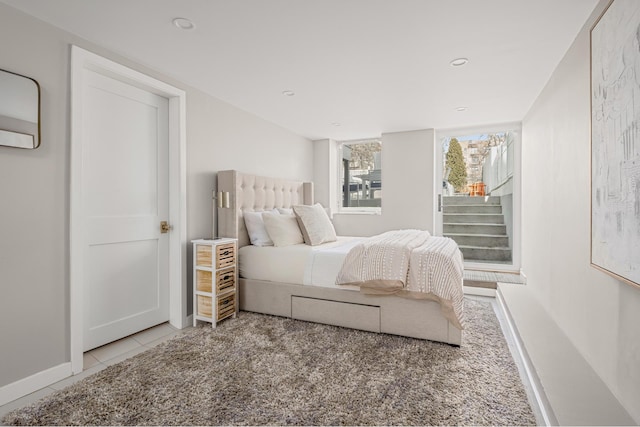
373 66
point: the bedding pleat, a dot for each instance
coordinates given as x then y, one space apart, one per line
384 257
410 264
437 268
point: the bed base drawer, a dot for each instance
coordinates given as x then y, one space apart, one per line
348 315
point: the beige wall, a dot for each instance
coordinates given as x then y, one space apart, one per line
407 184
599 314
34 188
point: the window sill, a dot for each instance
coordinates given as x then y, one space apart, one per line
358 213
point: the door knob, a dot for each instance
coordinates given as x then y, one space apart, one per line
165 227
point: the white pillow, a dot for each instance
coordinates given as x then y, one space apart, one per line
256 229
285 211
283 229
315 224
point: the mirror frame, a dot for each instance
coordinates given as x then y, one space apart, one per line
36 136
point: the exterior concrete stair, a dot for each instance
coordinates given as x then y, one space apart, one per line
478 208
477 225
474 218
468 200
458 228
483 253
481 240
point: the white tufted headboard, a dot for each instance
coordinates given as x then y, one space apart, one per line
255 193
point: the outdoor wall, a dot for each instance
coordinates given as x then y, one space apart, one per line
506 192
34 185
599 314
506 202
407 185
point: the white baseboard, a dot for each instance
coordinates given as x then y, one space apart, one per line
540 399
35 382
186 322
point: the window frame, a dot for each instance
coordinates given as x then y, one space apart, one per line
372 210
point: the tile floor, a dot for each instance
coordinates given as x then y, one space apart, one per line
110 354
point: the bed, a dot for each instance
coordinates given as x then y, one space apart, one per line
278 281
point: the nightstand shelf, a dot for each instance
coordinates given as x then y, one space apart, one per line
215 278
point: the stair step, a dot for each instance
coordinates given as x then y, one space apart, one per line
470 200
465 228
470 209
476 253
481 240
465 218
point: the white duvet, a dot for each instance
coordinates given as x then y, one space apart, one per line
299 264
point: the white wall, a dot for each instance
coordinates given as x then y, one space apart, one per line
600 315
407 184
325 172
222 137
34 188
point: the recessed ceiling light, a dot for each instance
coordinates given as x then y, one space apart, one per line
184 23
288 93
458 62
461 108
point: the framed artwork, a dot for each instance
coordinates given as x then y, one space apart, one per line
615 141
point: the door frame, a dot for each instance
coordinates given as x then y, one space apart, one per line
516 127
82 59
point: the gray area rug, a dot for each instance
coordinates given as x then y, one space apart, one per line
257 370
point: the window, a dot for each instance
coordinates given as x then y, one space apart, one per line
360 175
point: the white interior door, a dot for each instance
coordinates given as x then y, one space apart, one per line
126 195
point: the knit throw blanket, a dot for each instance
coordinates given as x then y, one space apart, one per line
410 264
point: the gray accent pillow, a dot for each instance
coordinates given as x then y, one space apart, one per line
315 224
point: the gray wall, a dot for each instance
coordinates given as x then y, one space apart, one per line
600 315
34 188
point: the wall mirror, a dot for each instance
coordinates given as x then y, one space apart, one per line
19 111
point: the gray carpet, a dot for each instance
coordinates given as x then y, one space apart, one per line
257 370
